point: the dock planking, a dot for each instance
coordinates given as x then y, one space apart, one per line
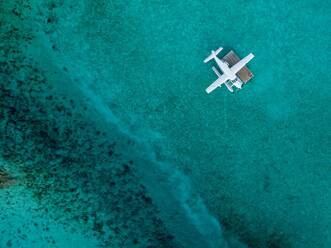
244 74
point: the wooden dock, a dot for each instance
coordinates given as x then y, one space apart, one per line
244 74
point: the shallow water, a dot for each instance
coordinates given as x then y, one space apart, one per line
111 138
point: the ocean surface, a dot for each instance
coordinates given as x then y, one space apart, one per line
108 138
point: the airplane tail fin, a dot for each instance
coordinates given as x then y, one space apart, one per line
213 54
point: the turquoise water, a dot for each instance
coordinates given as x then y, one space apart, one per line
112 141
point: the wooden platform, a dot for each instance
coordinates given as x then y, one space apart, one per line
244 74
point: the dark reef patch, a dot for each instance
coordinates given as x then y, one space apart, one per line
5 179
262 237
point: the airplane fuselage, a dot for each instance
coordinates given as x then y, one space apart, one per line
225 68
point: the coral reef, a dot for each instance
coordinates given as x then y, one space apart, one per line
5 179
73 169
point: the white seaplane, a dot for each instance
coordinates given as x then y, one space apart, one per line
229 77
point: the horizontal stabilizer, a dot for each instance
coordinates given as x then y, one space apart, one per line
213 54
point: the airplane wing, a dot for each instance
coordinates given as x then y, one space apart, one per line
238 66
221 80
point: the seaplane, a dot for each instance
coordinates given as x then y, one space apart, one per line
229 77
